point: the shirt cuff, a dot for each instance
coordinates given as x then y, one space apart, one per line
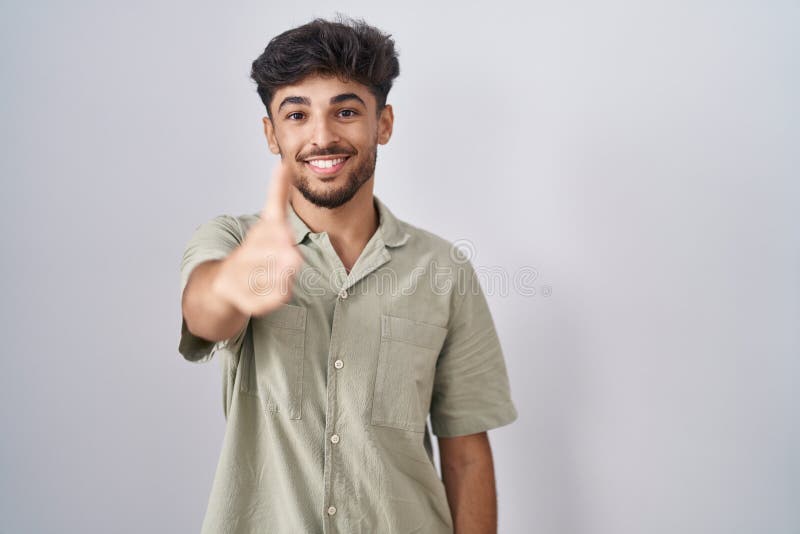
474 424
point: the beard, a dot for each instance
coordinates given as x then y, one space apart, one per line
333 198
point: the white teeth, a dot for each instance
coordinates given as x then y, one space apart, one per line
326 163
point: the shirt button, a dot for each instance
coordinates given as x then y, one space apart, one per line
338 364
335 438
331 510
343 294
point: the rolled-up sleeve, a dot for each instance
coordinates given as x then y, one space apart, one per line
471 391
212 240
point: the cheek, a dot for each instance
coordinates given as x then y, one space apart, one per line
288 144
367 138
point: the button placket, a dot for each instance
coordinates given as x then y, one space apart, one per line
335 347
346 282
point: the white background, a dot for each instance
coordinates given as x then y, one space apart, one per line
641 157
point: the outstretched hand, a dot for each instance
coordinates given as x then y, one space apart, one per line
257 277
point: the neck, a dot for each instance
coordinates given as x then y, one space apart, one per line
349 227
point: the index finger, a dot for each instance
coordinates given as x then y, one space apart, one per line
278 194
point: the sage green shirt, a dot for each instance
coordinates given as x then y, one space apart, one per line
327 398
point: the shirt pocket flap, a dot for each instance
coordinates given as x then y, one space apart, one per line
413 332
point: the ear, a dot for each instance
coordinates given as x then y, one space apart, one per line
269 132
385 124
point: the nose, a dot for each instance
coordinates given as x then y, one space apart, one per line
323 133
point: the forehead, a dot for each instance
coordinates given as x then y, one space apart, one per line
319 90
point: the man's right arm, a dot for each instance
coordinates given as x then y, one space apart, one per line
207 313
218 298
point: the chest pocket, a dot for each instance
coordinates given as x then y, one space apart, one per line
404 377
276 363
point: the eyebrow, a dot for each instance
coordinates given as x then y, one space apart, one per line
305 101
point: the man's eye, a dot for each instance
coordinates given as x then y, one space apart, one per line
289 116
352 113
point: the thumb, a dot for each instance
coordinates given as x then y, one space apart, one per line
277 194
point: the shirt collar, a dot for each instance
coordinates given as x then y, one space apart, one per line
389 226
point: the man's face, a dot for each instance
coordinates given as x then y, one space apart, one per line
327 131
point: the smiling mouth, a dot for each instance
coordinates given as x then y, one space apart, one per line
327 166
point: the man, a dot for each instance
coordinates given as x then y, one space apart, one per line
341 327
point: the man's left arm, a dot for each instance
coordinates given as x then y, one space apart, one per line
471 395
468 476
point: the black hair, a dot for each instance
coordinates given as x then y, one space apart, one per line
347 48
